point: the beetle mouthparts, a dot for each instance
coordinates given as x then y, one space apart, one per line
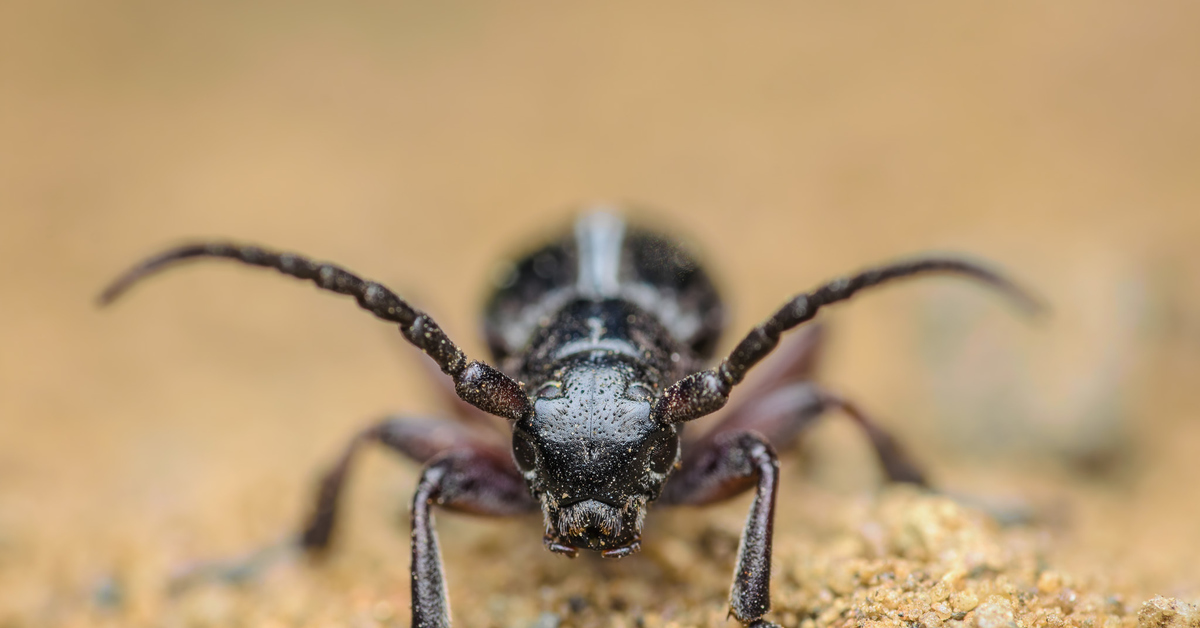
590 519
594 525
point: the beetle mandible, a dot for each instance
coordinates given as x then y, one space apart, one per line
600 342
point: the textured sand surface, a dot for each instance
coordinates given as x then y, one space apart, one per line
417 143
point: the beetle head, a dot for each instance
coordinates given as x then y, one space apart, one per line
593 456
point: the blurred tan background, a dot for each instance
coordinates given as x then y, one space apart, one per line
417 143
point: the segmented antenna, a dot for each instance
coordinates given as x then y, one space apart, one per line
705 392
371 296
476 382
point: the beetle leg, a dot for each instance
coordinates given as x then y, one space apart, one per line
896 462
417 439
781 415
731 463
457 480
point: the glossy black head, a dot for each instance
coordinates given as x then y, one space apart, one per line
593 456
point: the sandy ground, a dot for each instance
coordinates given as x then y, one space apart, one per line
419 143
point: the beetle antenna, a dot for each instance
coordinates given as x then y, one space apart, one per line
706 392
476 382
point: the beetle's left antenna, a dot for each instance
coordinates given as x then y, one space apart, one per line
706 392
476 382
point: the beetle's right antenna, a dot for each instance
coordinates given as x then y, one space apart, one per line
477 383
706 392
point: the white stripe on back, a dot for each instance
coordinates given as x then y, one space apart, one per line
599 238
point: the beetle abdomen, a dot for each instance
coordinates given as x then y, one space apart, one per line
604 257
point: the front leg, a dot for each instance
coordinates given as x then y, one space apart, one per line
730 464
424 440
464 481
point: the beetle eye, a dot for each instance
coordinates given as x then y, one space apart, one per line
662 451
550 390
639 392
524 452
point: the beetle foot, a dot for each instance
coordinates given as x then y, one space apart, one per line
559 548
621 552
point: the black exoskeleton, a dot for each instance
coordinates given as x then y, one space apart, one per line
600 342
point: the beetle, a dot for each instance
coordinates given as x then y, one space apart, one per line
602 345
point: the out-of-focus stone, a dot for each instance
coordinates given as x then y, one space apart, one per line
1166 612
963 601
996 612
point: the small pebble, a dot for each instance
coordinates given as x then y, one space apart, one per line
1049 582
1166 612
546 620
383 611
1066 599
108 593
964 601
996 612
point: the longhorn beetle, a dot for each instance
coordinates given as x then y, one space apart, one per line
600 344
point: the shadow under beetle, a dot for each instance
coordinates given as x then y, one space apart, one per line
600 342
